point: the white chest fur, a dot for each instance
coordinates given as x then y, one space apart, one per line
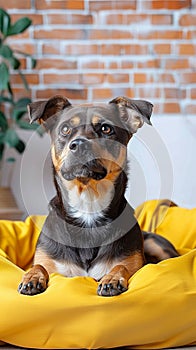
89 205
96 272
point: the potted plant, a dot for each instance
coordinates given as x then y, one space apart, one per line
12 110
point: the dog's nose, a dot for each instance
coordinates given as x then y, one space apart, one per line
76 144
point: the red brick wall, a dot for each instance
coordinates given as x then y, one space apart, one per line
95 50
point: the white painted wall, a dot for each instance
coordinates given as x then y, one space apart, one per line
162 165
163 162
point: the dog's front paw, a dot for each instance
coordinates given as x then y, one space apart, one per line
35 281
111 285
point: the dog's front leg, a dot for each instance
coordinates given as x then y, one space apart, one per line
35 281
116 281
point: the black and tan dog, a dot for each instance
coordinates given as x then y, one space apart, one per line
91 229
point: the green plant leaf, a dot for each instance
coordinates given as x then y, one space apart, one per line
3 123
20 147
26 125
17 114
20 108
2 146
26 86
2 137
4 22
10 160
23 124
10 89
22 102
9 60
15 63
5 51
33 62
4 74
6 99
11 138
19 26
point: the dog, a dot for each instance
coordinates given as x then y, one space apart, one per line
91 229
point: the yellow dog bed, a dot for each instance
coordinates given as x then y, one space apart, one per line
158 310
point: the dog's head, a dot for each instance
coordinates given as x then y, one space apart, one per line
89 141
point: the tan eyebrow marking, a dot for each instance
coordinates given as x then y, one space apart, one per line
96 119
75 121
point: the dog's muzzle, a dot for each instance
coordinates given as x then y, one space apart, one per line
82 163
84 172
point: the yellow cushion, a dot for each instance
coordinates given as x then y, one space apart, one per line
157 311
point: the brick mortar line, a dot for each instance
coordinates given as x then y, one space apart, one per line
105 57
46 11
144 86
130 71
123 27
140 56
86 5
119 69
104 85
150 11
105 41
122 71
32 3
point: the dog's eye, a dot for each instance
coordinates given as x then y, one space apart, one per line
106 129
65 130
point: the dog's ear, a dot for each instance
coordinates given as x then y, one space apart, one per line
133 112
42 110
